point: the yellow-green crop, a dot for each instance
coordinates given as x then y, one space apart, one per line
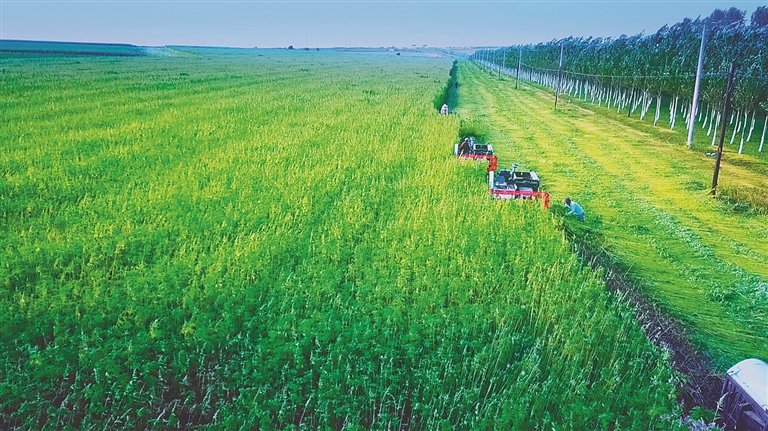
266 239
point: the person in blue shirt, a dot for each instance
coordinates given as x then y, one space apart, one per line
574 208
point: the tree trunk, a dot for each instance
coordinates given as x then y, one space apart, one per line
737 128
707 118
658 109
608 98
762 140
673 114
752 127
741 144
671 109
646 103
620 101
636 100
714 136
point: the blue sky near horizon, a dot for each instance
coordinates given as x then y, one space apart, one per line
323 23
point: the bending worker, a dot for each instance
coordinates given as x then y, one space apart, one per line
464 147
574 208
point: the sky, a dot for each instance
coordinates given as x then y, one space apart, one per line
322 23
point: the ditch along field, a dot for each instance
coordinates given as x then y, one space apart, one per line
646 196
257 239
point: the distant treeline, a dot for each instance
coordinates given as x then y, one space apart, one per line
71 48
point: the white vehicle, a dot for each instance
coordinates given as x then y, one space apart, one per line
745 397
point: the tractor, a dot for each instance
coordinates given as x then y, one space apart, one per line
469 148
514 184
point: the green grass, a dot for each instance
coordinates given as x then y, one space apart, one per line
270 239
647 203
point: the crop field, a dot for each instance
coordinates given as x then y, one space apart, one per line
256 239
646 195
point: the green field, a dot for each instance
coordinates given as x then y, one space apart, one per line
272 239
647 198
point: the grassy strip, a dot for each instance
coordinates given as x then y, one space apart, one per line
704 262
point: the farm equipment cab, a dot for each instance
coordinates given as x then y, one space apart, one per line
745 397
469 148
514 184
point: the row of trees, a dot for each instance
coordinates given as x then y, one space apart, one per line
633 72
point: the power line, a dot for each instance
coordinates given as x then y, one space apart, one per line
614 76
762 78
690 75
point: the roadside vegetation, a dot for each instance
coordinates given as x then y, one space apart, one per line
270 239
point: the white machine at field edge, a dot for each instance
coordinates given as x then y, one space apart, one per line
745 397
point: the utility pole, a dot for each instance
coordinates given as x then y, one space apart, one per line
726 113
695 103
519 63
559 75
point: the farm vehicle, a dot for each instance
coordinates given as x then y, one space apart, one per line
469 148
503 183
514 184
745 397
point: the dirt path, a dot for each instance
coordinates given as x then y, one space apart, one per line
647 213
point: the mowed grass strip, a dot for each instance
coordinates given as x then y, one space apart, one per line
646 198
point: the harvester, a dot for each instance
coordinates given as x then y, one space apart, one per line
745 397
469 148
514 184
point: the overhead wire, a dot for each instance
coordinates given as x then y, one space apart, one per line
690 75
